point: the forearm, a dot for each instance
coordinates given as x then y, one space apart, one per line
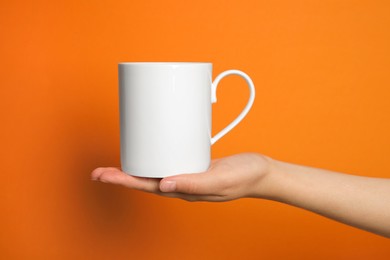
362 202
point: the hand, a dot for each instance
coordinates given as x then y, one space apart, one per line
228 178
355 200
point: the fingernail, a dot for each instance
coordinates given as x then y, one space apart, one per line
168 186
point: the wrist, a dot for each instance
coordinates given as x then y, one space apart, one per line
268 186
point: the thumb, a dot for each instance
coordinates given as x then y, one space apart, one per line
205 183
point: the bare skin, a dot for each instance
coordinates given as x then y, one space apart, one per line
362 202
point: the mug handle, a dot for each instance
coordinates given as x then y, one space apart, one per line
244 111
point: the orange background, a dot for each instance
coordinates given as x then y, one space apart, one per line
321 70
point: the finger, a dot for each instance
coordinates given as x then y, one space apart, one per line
205 183
116 176
192 198
97 172
182 196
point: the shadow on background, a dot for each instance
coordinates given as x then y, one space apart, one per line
96 208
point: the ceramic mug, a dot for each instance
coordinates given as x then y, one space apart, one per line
165 116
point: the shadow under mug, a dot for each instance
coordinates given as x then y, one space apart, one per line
165 116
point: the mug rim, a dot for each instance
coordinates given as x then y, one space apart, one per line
170 63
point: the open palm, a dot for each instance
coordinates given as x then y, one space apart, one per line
226 179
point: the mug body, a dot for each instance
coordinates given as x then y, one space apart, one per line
165 117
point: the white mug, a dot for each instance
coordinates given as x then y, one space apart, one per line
165 116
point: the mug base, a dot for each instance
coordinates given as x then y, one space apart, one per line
162 174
